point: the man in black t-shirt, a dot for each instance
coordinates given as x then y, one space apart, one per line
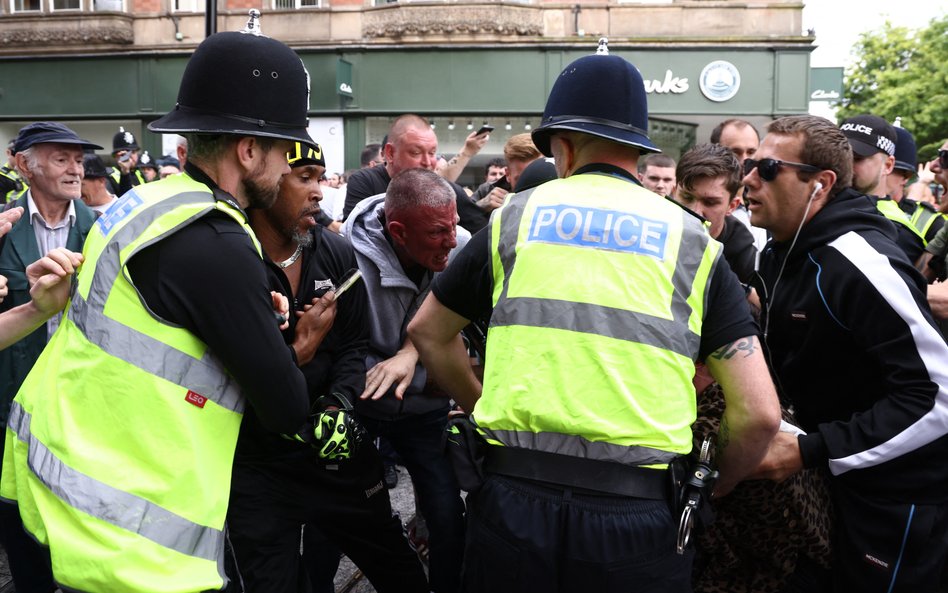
280 484
411 144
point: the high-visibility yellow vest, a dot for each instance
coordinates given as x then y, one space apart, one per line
20 185
923 218
599 291
120 442
117 176
890 209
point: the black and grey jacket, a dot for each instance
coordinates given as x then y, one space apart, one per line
854 349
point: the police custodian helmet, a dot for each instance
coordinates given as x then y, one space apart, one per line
242 83
601 95
123 140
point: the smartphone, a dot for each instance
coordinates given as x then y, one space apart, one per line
485 129
347 282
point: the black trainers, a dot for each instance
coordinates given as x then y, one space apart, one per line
390 477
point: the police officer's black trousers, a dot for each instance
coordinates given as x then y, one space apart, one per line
271 501
29 561
523 536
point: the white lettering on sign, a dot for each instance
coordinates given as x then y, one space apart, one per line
671 84
821 95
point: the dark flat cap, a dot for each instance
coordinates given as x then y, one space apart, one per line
49 132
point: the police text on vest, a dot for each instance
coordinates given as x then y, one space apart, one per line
600 229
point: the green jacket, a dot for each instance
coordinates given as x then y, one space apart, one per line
18 249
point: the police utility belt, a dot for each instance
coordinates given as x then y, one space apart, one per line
591 475
686 485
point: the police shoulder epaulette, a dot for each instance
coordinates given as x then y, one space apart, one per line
927 206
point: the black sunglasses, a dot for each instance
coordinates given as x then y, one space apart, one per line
943 158
768 168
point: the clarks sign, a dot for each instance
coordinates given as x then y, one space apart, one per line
719 81
671 84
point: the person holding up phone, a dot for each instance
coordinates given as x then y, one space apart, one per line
125 175
519 151
473 145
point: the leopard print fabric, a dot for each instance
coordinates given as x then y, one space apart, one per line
761 528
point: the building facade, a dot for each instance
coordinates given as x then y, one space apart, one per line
100 64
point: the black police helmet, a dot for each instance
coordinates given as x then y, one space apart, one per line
123 140
906 156
242 83
601 95
147 162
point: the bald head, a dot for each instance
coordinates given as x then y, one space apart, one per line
411 144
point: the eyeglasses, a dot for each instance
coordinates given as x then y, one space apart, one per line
943 158
768 168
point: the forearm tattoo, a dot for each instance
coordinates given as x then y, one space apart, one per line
746 345
724 437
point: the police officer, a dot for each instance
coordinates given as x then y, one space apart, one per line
148 167
923 215
120 443
872 140
601 297
125 150
12 184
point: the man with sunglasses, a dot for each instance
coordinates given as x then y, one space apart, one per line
873 142
854 348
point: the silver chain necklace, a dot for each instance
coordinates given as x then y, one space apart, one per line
292 259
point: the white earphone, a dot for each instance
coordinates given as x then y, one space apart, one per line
816 190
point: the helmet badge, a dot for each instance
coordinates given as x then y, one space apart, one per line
253 23
603 49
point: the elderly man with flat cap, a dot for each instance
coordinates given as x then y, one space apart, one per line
601 297
120 444
49 156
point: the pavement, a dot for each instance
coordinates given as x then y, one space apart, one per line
348 578
6 581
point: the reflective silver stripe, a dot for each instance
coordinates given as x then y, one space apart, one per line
667 334
577 446
690 255
511 216
621 324
205 376
121 509
19 421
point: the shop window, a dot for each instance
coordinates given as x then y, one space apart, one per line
26 5
293 4
188 5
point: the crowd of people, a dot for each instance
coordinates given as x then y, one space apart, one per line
601 346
